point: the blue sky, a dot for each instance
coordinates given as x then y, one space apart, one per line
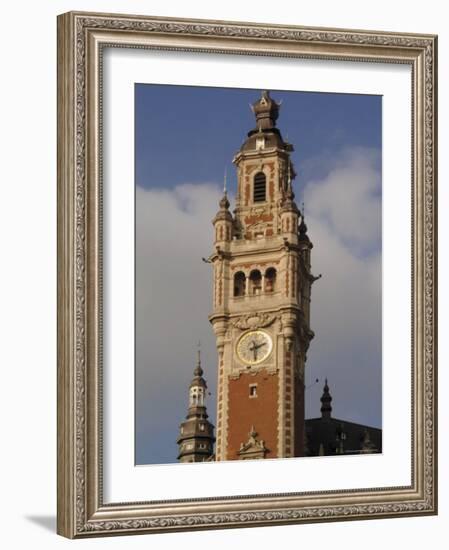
185 137
190 134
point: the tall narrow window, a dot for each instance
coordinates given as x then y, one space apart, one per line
260 187
239 284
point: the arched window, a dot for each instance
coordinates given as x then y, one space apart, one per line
260 187
270 280
239 284
255 282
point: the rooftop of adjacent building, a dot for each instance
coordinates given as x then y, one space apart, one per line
326 435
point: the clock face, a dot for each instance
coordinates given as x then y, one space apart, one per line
254 347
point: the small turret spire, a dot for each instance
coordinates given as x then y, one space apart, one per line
198 372
303 227
223 219
288 203
326 398
289 181
224 202
196 433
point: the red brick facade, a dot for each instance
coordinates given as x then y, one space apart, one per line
299 418
260 411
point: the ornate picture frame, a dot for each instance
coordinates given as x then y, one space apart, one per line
82 39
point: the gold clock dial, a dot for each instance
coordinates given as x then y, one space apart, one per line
254 347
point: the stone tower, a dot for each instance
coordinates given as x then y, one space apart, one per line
261 300
196 434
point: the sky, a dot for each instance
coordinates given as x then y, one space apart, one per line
185 138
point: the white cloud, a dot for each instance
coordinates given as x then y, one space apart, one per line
343 216
173 299
348 200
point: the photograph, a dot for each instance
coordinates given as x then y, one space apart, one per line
258 274
246 274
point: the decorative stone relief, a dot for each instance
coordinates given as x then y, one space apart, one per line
254 321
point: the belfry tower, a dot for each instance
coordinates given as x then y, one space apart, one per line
261 300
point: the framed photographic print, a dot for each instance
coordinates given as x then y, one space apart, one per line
246 274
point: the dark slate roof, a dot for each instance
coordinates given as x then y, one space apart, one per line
340 437
198 379
266 111
191 429
272 137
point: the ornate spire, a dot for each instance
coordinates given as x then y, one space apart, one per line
223 214
198 379
196 433
326 398
225 191
266 111
288 202
198 372
303 227
265 135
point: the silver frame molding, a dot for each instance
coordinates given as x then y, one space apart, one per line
81 38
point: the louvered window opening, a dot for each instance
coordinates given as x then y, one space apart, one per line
260 182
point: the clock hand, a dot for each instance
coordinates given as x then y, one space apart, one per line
255 345
253 348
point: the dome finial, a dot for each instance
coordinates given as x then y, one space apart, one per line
223 213
224 202
198 372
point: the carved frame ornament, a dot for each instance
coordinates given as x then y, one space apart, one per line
81 38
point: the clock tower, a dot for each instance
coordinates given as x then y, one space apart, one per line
261 300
